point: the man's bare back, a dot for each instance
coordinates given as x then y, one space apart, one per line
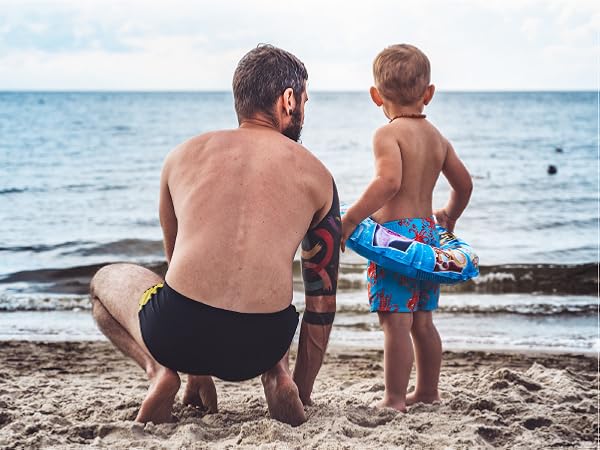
240 203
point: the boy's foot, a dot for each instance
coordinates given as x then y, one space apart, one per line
200 391
413 398
397 405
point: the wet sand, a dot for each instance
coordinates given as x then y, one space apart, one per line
76 394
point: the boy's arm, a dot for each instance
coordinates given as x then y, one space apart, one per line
387 181
462 185
166 212
320 263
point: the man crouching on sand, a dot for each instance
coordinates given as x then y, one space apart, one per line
234 207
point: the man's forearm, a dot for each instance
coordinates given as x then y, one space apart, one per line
311 351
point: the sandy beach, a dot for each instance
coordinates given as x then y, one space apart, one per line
76 394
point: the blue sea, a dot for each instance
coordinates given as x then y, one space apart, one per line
79 187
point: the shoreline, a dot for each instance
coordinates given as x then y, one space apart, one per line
561 330
70 394
521 278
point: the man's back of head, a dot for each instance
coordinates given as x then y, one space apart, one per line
261 76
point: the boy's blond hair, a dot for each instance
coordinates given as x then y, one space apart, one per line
402 73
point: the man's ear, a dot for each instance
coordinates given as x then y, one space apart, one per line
375 96
428 94
289 101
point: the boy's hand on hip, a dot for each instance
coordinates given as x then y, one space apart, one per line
348 227
444 220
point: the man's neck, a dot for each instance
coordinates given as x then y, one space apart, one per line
258 122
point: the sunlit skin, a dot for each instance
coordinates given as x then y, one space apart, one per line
410 153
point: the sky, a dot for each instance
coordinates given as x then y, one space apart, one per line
195 45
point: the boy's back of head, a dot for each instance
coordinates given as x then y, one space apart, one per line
402 73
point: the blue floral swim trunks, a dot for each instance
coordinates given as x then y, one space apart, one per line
391 292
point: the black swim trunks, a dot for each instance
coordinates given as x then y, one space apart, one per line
192 337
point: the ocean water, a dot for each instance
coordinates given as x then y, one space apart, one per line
79 182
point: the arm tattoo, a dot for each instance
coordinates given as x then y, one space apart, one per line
321 252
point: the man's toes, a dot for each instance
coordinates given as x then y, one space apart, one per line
284 403
192 398
209 399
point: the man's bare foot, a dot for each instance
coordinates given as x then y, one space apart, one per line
200 391
414 397
396 404
157 407
282 398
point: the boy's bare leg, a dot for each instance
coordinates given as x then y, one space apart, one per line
283 399
200 391
115 292
397 358
428 352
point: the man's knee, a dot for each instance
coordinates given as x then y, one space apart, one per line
100 279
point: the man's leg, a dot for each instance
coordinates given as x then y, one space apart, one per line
115 291
428 352
282 394
397 358
200 391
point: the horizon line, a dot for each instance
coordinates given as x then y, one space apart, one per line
327 91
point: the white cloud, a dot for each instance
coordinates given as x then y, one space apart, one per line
135 44
531 27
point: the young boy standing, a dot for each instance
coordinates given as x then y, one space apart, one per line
410 153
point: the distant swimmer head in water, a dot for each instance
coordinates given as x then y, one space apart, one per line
269 86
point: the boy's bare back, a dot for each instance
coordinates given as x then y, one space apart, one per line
416 151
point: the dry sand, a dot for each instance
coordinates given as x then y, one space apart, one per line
73 395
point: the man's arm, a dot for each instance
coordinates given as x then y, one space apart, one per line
462 185
320 264
166 212
387 182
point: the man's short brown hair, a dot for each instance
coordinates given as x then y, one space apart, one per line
402 73
262 75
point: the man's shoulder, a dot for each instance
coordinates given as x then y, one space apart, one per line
309 161
197 142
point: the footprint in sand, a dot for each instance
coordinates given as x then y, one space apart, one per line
536 422
372 418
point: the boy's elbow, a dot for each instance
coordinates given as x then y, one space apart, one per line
467 188
391 185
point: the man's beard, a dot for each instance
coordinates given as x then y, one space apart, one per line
295 127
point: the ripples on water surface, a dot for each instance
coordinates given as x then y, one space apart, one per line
79 182
81 169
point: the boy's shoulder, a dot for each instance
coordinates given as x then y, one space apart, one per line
400 130
385 138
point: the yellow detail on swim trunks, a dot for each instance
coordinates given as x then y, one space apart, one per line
149 293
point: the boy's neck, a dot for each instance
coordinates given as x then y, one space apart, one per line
392 110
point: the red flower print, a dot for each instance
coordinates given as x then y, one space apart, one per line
412 302
372 271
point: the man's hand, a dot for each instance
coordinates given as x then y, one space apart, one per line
348 227
444 220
